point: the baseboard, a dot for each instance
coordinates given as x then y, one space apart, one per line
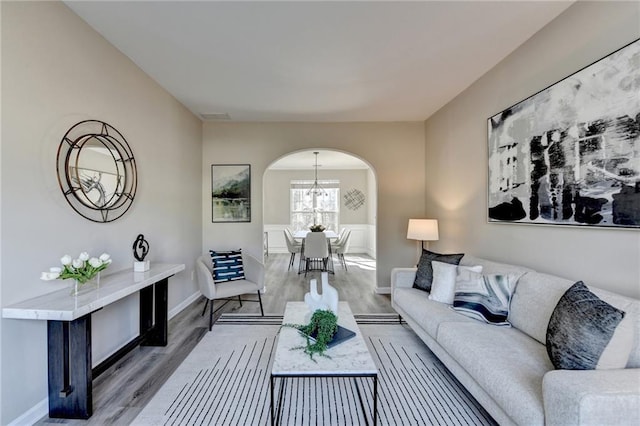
33 415
186 302
383 290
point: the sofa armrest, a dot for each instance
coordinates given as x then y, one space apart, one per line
402 277
591 397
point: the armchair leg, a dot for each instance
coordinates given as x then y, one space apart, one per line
260 301
205 307
211 316
240 300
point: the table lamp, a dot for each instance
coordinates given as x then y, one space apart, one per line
423 230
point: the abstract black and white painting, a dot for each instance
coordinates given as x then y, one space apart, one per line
231 193
570 154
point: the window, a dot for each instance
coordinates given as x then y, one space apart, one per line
308 208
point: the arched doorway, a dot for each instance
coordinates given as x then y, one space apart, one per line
351 202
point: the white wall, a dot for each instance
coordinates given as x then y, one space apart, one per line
277 204
395 151
456 155
57 71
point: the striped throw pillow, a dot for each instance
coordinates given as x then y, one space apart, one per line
484 297
227 265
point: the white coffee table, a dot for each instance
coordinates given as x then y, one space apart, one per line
348 359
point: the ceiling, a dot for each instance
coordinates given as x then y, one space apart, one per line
316 61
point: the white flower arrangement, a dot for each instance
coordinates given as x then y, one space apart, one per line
81 269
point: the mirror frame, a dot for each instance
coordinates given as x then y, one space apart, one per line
69 151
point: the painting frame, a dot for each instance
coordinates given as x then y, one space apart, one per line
569 155
230 193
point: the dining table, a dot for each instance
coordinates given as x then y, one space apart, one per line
302 234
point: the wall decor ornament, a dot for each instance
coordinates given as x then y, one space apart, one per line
96 171
354 199
140 251
570 154
230 193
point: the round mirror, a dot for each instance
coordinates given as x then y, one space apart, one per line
96 171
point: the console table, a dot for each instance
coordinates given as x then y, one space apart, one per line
69 331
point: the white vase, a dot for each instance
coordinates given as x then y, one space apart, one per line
329 294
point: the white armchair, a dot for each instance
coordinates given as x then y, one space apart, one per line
228 291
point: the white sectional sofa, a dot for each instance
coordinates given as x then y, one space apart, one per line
507 369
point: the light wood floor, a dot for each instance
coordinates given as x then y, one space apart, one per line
121 392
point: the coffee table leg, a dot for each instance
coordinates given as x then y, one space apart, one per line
272 407
375 399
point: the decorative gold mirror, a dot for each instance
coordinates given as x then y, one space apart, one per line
96 171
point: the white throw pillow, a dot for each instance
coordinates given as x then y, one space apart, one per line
443 286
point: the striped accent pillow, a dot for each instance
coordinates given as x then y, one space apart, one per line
227 265
484 297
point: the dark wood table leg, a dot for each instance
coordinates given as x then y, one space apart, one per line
69 364
154 334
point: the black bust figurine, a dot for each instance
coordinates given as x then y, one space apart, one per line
140 251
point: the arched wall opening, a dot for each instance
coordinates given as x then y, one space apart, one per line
357 185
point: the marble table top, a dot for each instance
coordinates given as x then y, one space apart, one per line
350 357
60 305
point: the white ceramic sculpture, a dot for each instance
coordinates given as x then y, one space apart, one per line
328 300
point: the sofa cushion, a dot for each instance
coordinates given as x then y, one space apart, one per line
533 301
424 274
507 364
484 297
429 314
443 287
587 333
490 267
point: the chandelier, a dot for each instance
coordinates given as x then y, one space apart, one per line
316 189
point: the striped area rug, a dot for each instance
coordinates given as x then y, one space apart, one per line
225 381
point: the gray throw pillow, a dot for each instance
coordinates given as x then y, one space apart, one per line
424 274
580 329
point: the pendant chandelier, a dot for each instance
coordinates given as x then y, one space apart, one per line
316 188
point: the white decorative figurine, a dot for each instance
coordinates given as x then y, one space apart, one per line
327 301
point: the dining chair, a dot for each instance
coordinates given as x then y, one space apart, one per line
293 247
316 253
341 247
230 290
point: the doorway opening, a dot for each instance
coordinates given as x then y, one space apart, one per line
338 191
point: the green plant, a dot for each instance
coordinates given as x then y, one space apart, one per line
317 228
322 326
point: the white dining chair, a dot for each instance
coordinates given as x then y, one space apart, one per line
293 246
341 247
316 253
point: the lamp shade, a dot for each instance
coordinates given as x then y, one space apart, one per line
422 229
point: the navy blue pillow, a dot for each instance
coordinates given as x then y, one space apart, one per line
227 265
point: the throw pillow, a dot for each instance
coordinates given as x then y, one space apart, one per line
587 333
443 287
227 265
484 297
424 274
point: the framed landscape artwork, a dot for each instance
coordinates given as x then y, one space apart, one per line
570 154
231 193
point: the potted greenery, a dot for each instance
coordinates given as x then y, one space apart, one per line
317 228
322 326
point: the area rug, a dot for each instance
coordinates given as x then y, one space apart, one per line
225 381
